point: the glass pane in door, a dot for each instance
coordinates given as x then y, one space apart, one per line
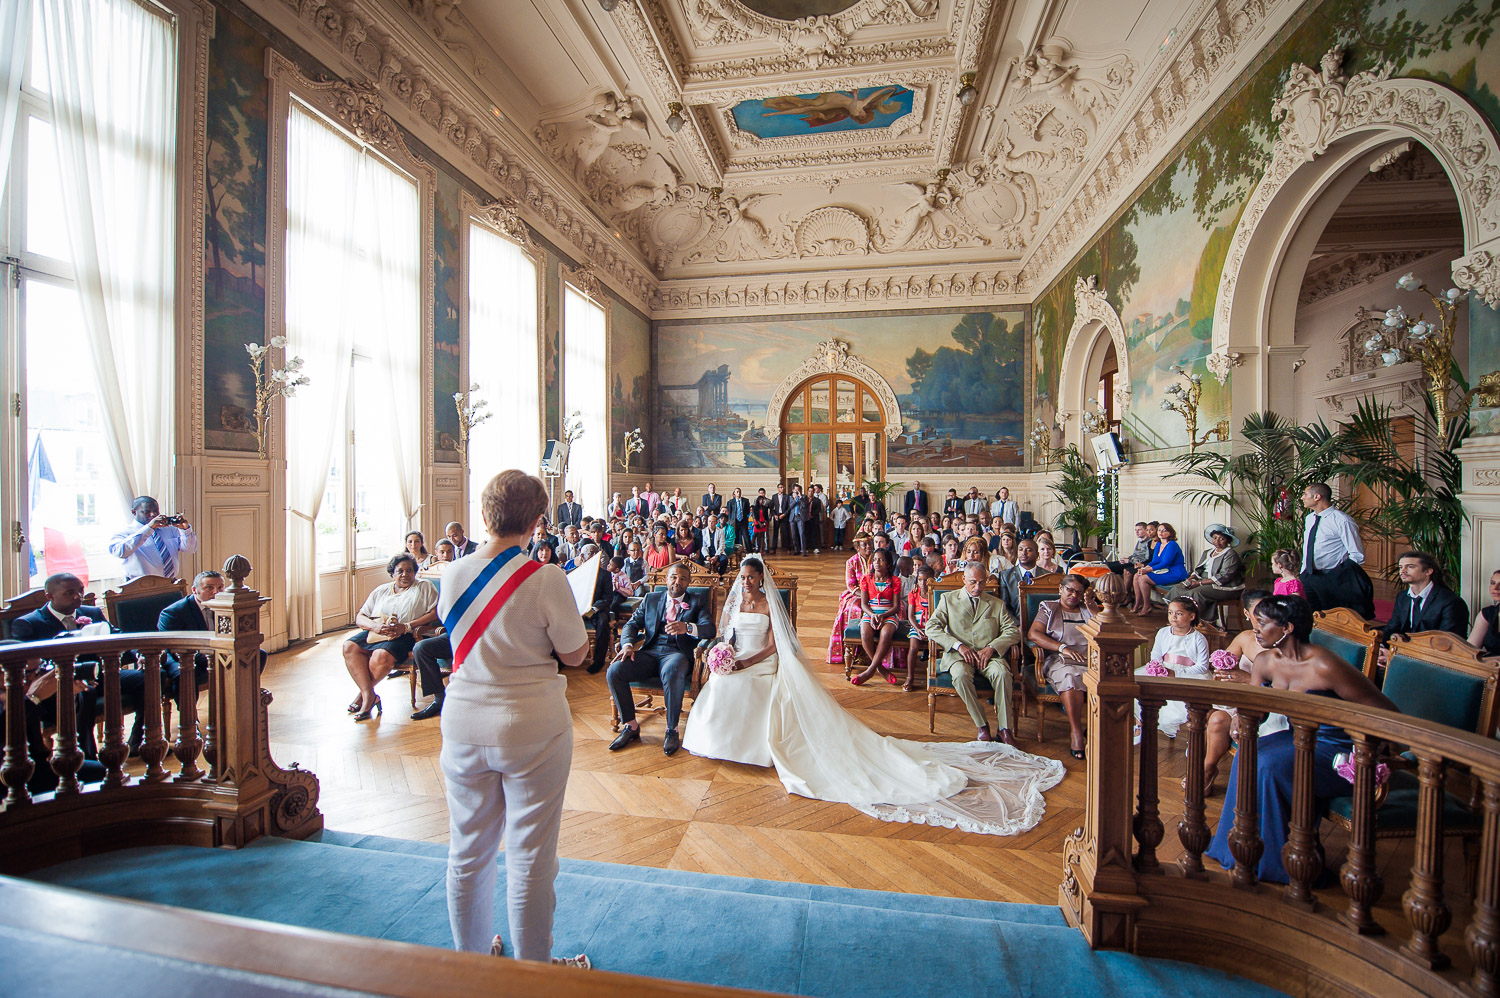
845 412
869 408
331 526
844 464
795 411
795 465
870 456
818 462
818 407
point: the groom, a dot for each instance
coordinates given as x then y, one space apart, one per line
658 643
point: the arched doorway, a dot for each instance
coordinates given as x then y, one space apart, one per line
832 434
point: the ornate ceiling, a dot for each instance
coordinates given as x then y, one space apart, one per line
823 152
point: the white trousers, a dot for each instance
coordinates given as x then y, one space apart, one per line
517 791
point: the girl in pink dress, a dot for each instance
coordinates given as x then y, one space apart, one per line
881 611
855 569
1284 563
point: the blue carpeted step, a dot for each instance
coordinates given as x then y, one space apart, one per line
760 938
1025 914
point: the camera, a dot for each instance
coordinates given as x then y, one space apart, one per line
176 520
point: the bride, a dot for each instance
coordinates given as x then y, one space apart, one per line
772 711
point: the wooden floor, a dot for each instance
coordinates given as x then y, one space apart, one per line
640 807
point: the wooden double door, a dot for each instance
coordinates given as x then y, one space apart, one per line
832 434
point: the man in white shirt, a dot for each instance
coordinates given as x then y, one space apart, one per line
901 537
1005 509
1332 556
154 543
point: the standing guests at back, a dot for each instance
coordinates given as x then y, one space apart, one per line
569 512
155 543
1333 556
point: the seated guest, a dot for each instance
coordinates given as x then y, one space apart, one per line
880 613
685 546
900 535
429 654
1220 731
190 614
1145 543
975 553
416 546
714 554
462 546
635 561
567 550
1284 563
1166 568
855 570
541 536
443 553
585 552
1485 634
155 543
1287 660
1025 570
659 550
41 691
1220 574
1006 554
918 612
951 556
1183 650
390 617
615 507
545 554
1426 604
974 629
1056 632
1046 553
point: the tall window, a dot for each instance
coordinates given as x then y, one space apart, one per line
585 392
353 280
503 361
88 233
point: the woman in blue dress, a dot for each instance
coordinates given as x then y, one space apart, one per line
1288 661
1166 568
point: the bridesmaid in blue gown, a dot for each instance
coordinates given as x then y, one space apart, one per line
1288 661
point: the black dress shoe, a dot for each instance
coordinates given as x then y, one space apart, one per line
671 743
625 737
431 710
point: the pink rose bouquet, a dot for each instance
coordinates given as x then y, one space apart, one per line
1155 668
1343 764
720 659
1223 660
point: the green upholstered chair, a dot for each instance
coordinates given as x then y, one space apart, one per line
714 591
1349 636
1435 676
1028 664
136 606
941 683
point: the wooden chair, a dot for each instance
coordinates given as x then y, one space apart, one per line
1437 677
941 683
1349 636
137 606
1034 684
20 606
715 590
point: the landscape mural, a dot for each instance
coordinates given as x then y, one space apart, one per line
234 297
447 231
1161 258
629 384
958 376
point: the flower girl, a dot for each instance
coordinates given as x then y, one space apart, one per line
1180 650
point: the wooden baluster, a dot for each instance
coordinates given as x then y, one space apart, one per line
1360 876
188 743
211 720
154 744
114 751
1147 826
1192 830
1482 937
1301 856
18 767
1244 838
1426 908
67 758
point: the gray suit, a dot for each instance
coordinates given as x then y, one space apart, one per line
985 623
1010 585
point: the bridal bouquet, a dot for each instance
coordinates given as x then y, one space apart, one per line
720 659
1155 668
1343 764
1223 660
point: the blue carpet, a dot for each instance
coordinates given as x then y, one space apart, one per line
793 938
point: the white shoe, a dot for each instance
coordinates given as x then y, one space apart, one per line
581 961
497 946
817 550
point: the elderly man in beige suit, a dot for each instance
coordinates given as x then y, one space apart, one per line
974 629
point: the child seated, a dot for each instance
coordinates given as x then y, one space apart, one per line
919 609
1183 650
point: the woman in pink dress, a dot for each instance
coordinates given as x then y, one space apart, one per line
855 570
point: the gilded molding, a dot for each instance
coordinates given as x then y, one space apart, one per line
233 480
833 357
198 15
925 286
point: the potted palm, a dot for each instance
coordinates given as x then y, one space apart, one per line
1077 489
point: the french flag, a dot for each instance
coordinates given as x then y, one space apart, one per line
477 605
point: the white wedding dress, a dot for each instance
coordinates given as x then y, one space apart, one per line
777 713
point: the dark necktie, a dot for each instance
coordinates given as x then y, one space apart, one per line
1026 575
1312 542
1416 611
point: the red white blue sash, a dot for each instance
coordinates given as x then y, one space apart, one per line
472 612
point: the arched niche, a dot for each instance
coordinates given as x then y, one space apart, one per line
1096 326
1333 130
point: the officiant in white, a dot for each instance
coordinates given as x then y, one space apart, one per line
769 708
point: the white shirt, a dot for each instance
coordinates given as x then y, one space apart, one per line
841 516
1338 538
137 549
409 604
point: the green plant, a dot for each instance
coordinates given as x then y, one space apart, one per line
880 490
1077 489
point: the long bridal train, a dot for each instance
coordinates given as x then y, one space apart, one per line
775 712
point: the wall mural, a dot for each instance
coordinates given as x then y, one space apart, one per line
836 111
1161 258
959 377
551 345
234 297
629 383
447 233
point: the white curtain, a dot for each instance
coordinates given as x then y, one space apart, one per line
503 362
585 392
15 42
322 179
112 74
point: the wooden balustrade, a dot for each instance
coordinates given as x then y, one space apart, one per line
242 795
1288 937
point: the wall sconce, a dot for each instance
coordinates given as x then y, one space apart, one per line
1182 398
1298 363
966 92
675 120
609 5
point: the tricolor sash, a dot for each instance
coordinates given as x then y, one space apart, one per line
472 612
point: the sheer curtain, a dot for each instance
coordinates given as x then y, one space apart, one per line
15 42
322 179
112 75
503 361
585 392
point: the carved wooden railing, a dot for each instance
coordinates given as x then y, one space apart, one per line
241 795
1122 895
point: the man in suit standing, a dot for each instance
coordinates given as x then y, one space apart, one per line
798 518
975 504
739 514
1332 556
1426 604
635 505
658 642
974 629
916 501
1005 509
155 543
569 512
462 545
953 506
712 502
781 517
